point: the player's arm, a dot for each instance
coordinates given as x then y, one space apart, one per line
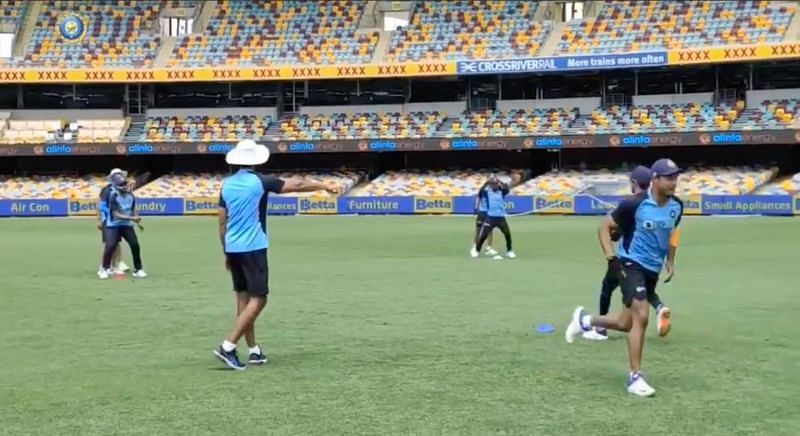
674 241
294 184
481 194
102 207
504 189
620 219
222 220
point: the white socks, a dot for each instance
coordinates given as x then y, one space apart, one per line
255 350
228 346
586 322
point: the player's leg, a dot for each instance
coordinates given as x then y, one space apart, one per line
636 284
607 286
116 260
112 238
129 234
100 269
486 230
663 312
506 230
251 272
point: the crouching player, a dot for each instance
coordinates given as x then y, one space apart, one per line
640 182
119 225
648 223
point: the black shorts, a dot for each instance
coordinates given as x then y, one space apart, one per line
637 282
480 219
250 272
495 221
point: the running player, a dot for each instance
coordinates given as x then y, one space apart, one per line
119 225
244 238
648 223
640 181
480 211
495 195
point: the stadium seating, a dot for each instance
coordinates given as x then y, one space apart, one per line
723 180
362 125
209 184
204 128
784 186
469 29
627 26
12 12
571 182
57 187
660 118
100 130
262 32
31 131
431 183
119 33
518 122
772 114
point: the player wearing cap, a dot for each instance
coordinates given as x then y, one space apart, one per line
640 181
117 264
245 240
121 217
648 223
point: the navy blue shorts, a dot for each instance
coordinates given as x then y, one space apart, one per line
250 272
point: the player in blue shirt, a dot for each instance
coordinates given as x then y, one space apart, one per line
480 217
102 215
120 219
494 196
640 182
244 237
648 223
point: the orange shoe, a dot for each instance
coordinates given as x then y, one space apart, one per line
663 321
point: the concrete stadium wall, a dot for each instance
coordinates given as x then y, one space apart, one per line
699 97
214 111
585 105
754 98
66 114
453 108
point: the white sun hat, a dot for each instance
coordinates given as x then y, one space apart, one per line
247 153
117 171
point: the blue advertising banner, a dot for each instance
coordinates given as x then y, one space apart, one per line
596 205
747 205
376 205
463 205
563 63
282 205
33 208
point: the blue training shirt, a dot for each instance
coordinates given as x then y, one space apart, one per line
244 197
495 201
482 204
124 202
646 229
102 204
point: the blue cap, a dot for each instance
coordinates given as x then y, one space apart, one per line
665 167
642 175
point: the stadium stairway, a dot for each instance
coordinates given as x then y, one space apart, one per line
384 38
793 31
446 126
165 51
26 31
551 44
274 129
136 130
209 7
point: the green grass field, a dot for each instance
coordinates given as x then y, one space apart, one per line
384 325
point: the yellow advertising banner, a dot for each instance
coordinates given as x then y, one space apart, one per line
200 205
555 204
433 204
736 53
693 204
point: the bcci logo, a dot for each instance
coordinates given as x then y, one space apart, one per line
72 28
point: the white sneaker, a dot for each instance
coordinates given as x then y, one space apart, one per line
140 274
122 266
474 253
511 255
491 251
497 257
637 386
103 274
592 335
574 329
